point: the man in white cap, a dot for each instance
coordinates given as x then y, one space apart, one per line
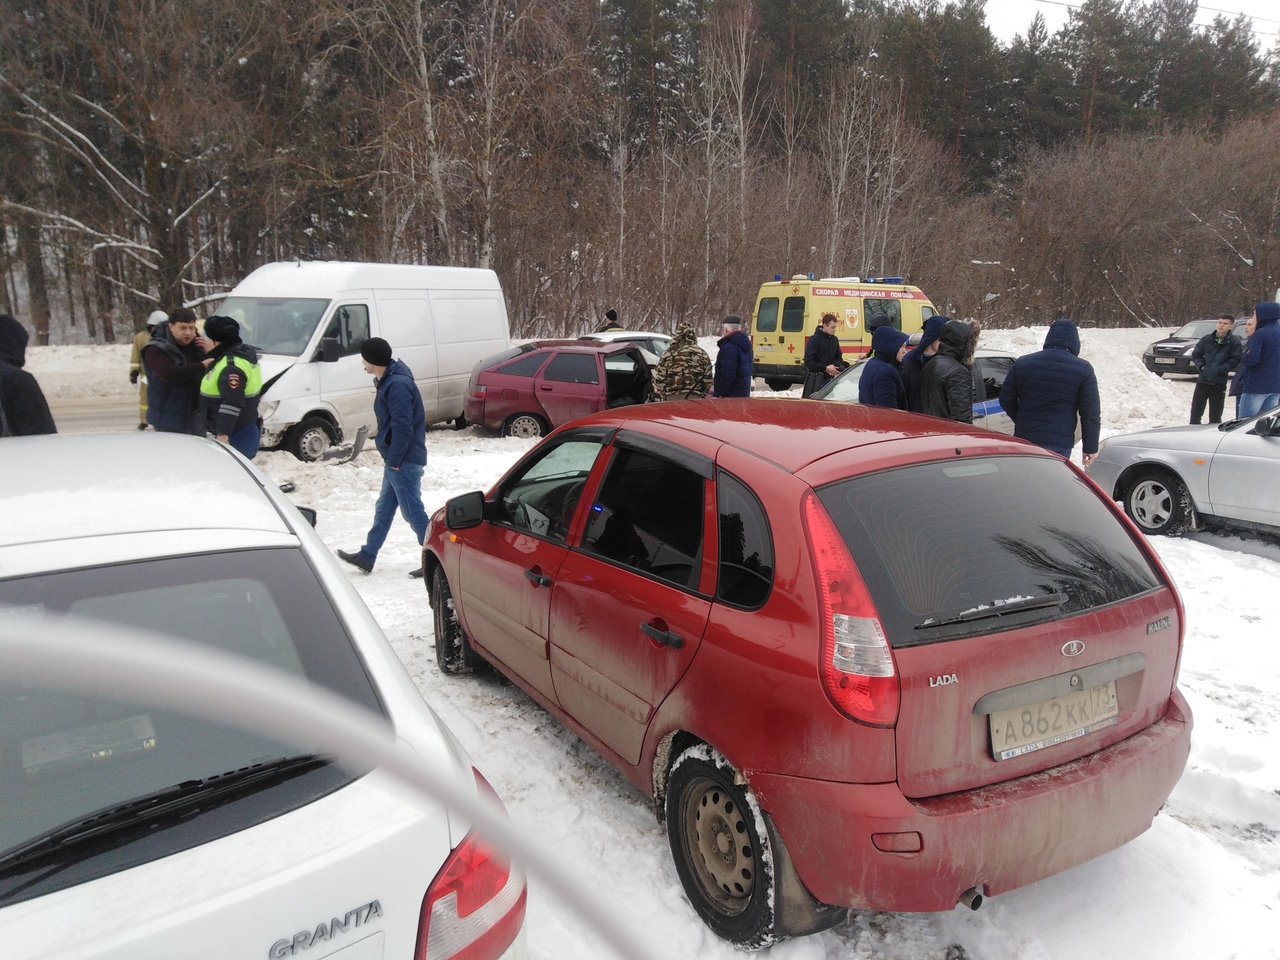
136 374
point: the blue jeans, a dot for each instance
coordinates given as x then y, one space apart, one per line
1252 404
245 439
400 489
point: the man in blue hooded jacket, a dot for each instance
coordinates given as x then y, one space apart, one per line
1046 392
1261 362
880 384
402 441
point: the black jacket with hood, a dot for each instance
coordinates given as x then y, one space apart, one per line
26 412
946 385
1045 392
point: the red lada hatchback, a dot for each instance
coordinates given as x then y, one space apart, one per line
859 658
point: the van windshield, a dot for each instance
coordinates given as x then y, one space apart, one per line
279 325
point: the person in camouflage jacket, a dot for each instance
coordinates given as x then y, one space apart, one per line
684 370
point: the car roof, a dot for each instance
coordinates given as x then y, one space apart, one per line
613 335
795 434
91 489
584 345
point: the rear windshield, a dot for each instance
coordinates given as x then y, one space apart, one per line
65 756
961 547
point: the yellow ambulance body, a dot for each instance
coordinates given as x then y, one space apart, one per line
788 311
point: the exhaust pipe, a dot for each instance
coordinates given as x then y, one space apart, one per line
971 898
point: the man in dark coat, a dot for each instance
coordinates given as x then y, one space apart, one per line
24 411
913 363
733 360
823 358
1216 354
1261 360
1046 392
174 361
402 441
880 383
946 385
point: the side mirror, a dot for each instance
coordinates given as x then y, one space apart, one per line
309 513
1268 426
464 512
330 350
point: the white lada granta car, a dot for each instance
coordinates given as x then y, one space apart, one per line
132 831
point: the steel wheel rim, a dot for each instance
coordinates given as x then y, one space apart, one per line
720 846
526 427
314 443
1152 504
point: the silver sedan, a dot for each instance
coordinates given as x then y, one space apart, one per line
1177 478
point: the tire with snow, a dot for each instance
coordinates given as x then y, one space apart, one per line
453 652
722 849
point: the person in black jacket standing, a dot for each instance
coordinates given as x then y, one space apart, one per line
1046 392
822 355
24 412
946 385
1215 356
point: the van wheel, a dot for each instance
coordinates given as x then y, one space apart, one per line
309 440
1158 502
725 862
775 384
526 426
460 422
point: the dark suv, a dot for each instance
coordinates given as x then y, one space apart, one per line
1173 353
529 389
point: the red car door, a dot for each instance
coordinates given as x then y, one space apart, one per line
570 386
629 605
508 564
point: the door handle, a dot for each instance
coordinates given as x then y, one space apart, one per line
537 578
665 637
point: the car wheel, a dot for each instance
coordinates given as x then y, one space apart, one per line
1158 502
726 865
309 440
453 652
460 422
526 426
775 384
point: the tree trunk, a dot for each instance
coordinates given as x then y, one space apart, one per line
33 261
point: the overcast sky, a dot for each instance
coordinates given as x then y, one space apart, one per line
1009 17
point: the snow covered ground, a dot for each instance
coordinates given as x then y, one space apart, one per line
1202 884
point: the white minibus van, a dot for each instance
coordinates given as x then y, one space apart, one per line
308 320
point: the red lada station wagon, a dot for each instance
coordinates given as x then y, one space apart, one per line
858 658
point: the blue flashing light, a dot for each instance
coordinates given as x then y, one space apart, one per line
777 278
884 280
810 274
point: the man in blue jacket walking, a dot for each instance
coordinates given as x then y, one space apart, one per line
402 441
1046 392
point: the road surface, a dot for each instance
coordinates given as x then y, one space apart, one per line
94 414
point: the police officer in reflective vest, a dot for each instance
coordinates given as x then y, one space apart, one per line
230 388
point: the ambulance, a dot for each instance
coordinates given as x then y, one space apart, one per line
788 311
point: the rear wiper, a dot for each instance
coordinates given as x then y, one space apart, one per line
996 608
165 806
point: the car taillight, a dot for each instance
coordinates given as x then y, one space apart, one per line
475 906
855 663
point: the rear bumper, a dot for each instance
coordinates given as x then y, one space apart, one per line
778 371
996 838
